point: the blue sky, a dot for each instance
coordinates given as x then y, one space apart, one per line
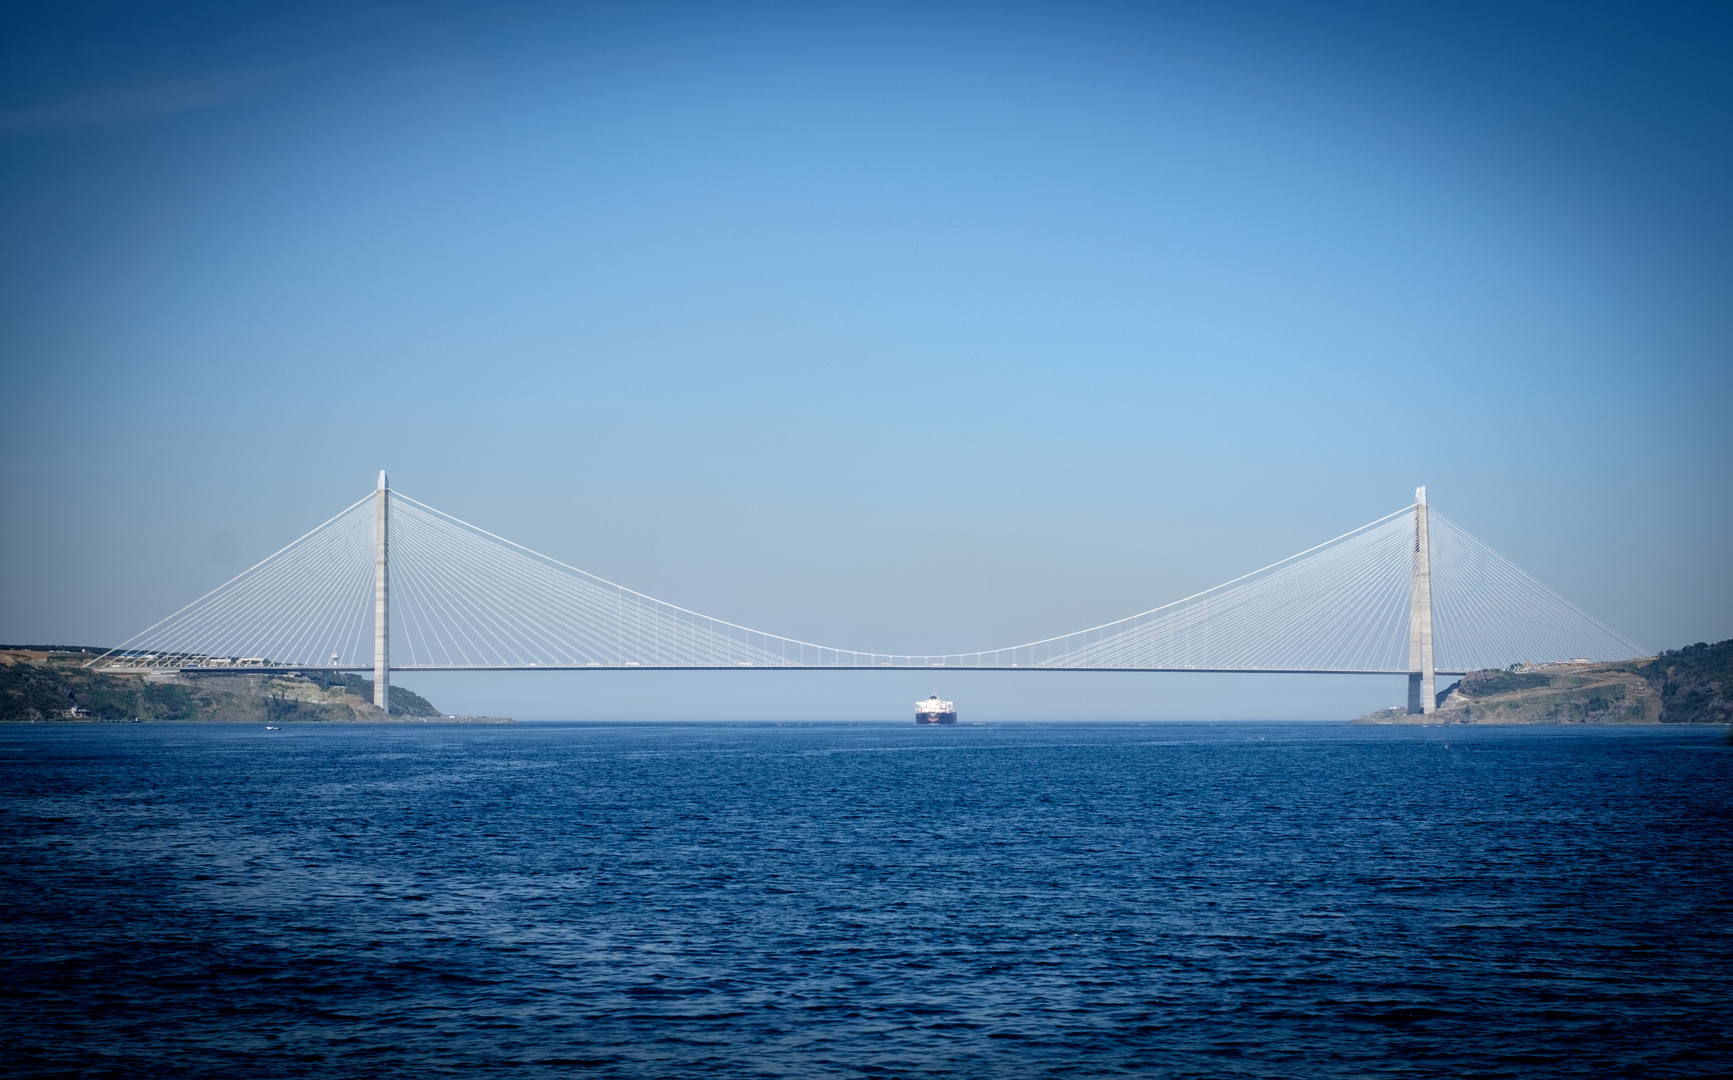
901 327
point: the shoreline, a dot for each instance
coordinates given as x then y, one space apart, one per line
68 720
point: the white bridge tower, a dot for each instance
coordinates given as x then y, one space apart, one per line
382 599
1422 680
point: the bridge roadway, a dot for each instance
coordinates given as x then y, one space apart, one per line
248 669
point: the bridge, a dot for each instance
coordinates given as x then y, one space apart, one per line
392 584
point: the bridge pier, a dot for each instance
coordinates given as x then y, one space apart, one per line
381 599
1422 679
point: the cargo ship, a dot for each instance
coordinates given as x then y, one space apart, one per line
934 711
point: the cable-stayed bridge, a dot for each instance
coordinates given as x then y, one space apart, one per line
392 584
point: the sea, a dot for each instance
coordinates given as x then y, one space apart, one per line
865 900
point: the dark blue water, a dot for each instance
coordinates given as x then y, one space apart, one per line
689 901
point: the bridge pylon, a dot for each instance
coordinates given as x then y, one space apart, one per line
382 598
1422 676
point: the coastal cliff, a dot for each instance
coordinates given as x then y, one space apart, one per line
44 684
1693 685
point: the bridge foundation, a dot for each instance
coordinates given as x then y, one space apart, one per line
382 599
1422 679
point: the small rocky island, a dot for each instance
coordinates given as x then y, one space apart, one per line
1693 685
49 683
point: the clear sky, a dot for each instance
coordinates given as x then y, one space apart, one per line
902 327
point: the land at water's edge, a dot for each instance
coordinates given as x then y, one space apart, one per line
1693 685
48 684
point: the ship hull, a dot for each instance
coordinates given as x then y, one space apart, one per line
935 718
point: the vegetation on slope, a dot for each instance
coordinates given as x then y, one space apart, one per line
1693 685
42 691
51 684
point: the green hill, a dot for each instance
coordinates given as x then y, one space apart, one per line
1693 685
53 684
